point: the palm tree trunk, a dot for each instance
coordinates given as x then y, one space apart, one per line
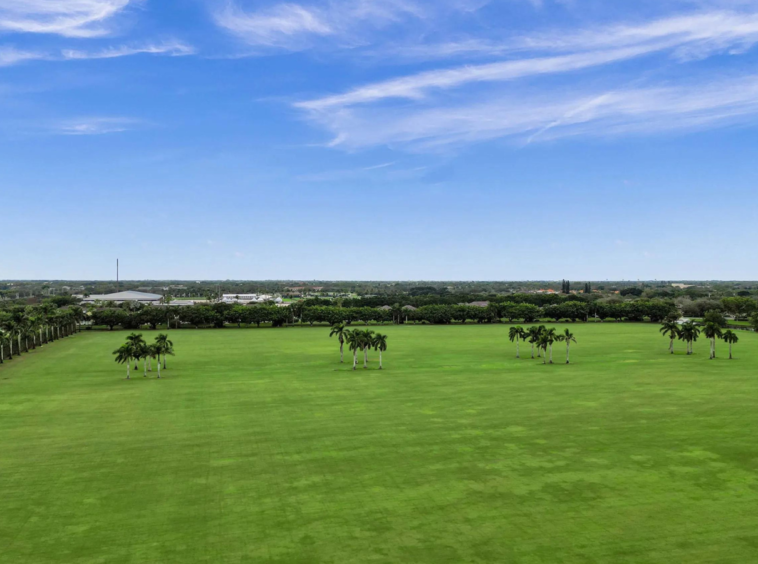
145 365
544 356
567 353
365 357
517 351
355 358
164 361
159 367
730 351
671 346
380 359
532 351
551 353
342 352
128 365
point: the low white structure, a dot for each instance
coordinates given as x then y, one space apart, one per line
249 298
121 297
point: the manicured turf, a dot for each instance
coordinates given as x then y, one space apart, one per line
259 447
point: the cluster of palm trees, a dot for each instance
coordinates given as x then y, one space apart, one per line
359 340
136 348
543 339
689 332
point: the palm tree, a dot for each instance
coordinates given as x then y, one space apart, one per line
568 338
689 333
670 328
380 344
154 351
136 341
515 334
124 356
543 341
731 338
140 352
5 339
166 346
552 337
534 333
713 332
367 340
354 343
339 329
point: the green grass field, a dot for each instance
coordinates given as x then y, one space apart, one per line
259 447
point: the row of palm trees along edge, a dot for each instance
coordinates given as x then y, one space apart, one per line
359 339
42 326
136 348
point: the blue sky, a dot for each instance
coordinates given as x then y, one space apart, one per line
379 139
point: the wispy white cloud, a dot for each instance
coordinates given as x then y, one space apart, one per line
451 105
70 18
539 117
95 125
173 49
686 37
12 56
344 23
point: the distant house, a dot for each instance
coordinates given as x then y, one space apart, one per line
479 304
122 297
386 308
410 308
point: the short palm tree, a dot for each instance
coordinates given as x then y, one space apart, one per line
712 331
731 338
515 334
670 329
339 329
124 356
567 337
380 344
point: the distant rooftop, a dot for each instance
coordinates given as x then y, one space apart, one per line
128 296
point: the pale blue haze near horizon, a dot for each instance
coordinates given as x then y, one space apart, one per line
379 139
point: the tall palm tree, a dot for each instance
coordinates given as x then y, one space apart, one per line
731 338
712 331
543 341
689 333
166 346
154 351
354 343
515 334
136 341
380 344
5 340
567 337
339 329
534 333
140 352
124 356
552 337
367 341
670 328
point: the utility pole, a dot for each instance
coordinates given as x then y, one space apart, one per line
117 276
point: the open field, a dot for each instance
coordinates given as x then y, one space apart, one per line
258 447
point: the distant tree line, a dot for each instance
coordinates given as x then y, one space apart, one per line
222 314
